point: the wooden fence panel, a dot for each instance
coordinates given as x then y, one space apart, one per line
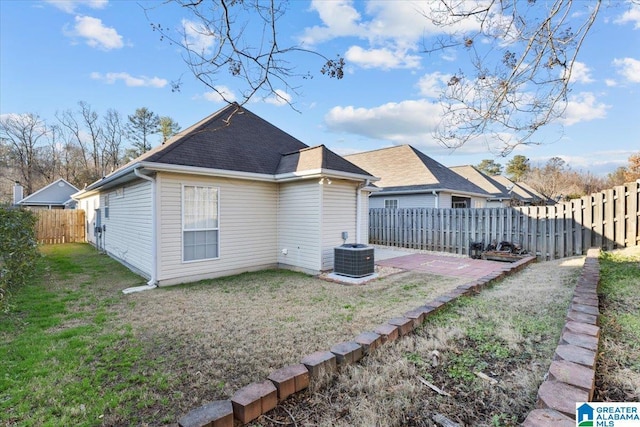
620 216
609 220
632 214
60 226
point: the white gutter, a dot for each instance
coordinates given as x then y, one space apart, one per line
153 282
327 173
435 194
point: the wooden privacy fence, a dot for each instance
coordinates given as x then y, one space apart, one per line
60 226
608 220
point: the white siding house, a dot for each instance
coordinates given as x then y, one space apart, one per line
216 200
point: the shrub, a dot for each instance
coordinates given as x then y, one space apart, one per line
18 251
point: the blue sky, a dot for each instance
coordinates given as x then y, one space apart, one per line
54 54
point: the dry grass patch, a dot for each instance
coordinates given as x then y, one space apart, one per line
507 333
222 334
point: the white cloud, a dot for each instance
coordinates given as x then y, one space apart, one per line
631 16
70 6
95 33
381 58
214 96
580 73
431 85
610 82
197 37
391 30
629 68
583 108
280 98
402 123
129 80
340 19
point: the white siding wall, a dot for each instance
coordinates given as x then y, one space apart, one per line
299 225
248 233
494 204
478 202
423 200
444 201
128 228
338 215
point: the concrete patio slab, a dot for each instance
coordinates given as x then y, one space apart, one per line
443 265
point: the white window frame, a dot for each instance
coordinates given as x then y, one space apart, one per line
106 206
183 229
391 200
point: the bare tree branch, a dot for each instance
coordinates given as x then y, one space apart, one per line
519 74
240 38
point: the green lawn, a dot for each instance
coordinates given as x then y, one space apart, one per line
618 370
62 360
76 351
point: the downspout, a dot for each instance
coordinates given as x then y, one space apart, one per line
359 210
435 194
152 283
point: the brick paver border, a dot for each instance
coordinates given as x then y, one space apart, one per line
256 399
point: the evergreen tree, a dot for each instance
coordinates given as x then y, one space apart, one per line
168 128
489 167
518 167
142 124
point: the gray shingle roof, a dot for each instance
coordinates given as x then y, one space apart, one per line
235 139
518 190
482 180
404 167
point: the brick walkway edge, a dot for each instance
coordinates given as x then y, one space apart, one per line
571 376
255 399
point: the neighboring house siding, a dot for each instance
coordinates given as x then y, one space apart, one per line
422 200
444 201
247 228
128 227
338 215
299 225
496 204
477 202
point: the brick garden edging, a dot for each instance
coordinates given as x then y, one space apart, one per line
571 376
256 399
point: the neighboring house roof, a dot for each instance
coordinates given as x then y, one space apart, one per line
521 190
482 180
537 194
58 193
235 140
404 168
